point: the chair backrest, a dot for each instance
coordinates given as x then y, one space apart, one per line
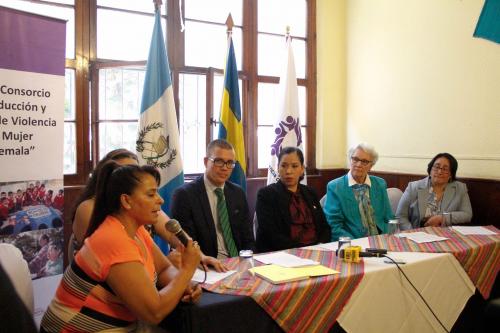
17 269
322 201
394 195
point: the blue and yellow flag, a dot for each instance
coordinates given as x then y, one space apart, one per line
231 126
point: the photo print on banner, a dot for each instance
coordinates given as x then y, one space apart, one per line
32 78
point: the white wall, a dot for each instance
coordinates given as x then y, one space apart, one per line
331 88
417 83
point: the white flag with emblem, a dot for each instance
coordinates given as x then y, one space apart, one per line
287 126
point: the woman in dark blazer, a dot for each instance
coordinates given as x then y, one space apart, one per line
288 213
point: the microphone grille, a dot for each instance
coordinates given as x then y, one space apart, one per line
173 226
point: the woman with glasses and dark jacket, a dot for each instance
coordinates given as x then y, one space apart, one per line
424 201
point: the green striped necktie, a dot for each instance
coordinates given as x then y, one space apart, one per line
224 223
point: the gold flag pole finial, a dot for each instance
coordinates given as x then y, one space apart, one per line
287 35
229 24
158 4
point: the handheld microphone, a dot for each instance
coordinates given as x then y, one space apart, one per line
174 227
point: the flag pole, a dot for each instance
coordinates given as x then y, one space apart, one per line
158 4
230 25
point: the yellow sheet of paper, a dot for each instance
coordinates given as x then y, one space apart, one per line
316 270
278 274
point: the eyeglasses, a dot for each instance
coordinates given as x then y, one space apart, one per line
356 160
438 168
219 162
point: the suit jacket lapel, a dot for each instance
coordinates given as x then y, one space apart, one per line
205 207
350 193
231 209
448 195
423 196
284 202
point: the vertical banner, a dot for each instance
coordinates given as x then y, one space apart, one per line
32 57
287 125
231 123
488 25
158 137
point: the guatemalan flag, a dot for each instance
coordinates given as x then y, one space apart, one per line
287 125
158 135
230 123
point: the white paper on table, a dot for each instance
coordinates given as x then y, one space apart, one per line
284 259
326 246
473 230
333 246
212 276
422 237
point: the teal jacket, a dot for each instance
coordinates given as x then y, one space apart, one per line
342 212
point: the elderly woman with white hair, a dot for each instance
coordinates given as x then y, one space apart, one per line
357 204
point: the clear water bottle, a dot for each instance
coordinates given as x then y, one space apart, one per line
244 279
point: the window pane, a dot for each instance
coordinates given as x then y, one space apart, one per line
69 148
214 10
276 15
206 45
141 6
69 94
192 104
117 135
120 93
269 104
124 36
51 11
272 55
218 91
265 139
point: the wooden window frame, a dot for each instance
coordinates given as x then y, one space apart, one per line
87 64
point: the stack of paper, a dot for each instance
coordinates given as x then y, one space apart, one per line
278 274
212 276
284 259
466 230
422 237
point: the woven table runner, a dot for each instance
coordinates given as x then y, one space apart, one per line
310 305
478 254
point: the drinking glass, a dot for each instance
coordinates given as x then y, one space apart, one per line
393 227
244 279
344 242
446 219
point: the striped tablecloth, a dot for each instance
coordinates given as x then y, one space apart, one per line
479 255
311 305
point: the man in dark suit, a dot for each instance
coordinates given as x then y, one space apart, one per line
212 210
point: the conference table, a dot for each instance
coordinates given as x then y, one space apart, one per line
382 300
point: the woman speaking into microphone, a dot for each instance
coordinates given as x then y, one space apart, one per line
120 275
